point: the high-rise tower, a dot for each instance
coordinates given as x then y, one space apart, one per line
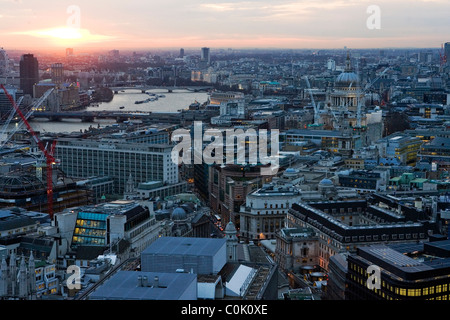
205 58
57 73
29 73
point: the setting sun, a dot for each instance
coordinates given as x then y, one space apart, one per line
66 35
62 33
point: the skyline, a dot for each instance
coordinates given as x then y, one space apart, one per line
237 24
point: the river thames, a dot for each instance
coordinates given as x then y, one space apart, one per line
171 102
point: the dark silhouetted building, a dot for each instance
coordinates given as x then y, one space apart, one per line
29 73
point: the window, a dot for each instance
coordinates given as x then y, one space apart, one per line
413 292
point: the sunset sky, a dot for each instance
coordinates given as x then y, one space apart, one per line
135 24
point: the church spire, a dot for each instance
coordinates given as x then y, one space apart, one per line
348 63
232 241
22 279
32 273
4 279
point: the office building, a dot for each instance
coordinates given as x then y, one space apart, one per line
29 73
156 189
229 186
330 140
118 159
17 221
205 58
106 224
296 248
400 147
264 212
57 73
447 51
222 268
5 105
197 255
343 226
414 271
4 63
364 180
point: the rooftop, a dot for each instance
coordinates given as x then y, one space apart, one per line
185 246
124 285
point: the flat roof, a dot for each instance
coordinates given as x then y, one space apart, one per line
124 286
185 246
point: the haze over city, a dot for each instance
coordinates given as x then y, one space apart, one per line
224 154
139 24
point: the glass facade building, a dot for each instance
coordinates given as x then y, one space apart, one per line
90 229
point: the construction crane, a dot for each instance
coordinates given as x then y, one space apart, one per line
316 107
8 121
33 108
364 91
50 159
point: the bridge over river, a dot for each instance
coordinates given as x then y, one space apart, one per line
144 88
90 116
121 116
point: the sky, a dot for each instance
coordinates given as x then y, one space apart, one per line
142 24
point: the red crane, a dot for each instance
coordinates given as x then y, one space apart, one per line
50 160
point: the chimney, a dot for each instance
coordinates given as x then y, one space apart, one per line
144 281
156 282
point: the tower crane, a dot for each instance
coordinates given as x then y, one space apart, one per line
8 121
364 91
50 159
316 107
33 108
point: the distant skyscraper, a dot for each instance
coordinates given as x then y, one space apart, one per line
447 51
205 57
4 63
69 52
57 73
181 53
29 73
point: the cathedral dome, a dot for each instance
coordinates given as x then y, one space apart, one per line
347 78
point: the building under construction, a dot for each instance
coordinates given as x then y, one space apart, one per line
26 187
